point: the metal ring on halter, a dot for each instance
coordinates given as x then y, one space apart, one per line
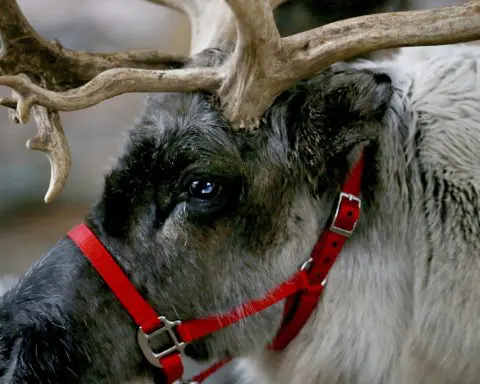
168 327
306 265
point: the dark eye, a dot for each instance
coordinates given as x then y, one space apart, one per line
204 190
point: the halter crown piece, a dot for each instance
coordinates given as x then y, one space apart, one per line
302 291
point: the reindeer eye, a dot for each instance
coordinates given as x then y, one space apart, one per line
204 190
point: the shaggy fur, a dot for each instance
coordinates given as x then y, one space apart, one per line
401 304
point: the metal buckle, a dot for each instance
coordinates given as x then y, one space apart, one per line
339 230
144 338
306 265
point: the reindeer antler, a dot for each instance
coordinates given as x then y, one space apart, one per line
35 61
262 65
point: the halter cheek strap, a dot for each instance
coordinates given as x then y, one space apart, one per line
302 291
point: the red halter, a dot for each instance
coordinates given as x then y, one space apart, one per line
302 290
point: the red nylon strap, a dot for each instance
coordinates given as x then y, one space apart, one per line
195 329
172 367
145 316
323 257
140 311
353 183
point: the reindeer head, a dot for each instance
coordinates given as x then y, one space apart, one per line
223 188
215 216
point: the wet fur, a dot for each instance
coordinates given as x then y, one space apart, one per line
401 305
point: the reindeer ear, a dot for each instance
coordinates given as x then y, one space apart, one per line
350 95
337 110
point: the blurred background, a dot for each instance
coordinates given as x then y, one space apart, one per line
28 226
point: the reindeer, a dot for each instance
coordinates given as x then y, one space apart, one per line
231 226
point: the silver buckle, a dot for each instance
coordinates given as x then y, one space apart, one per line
342 231
143 340
306 265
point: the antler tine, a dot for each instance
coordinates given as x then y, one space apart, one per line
313 50
23 52
108 84
212 21
52 141
257 57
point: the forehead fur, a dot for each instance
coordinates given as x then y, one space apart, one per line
180 131
184 125
186 128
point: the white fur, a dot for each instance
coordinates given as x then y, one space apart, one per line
385 318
